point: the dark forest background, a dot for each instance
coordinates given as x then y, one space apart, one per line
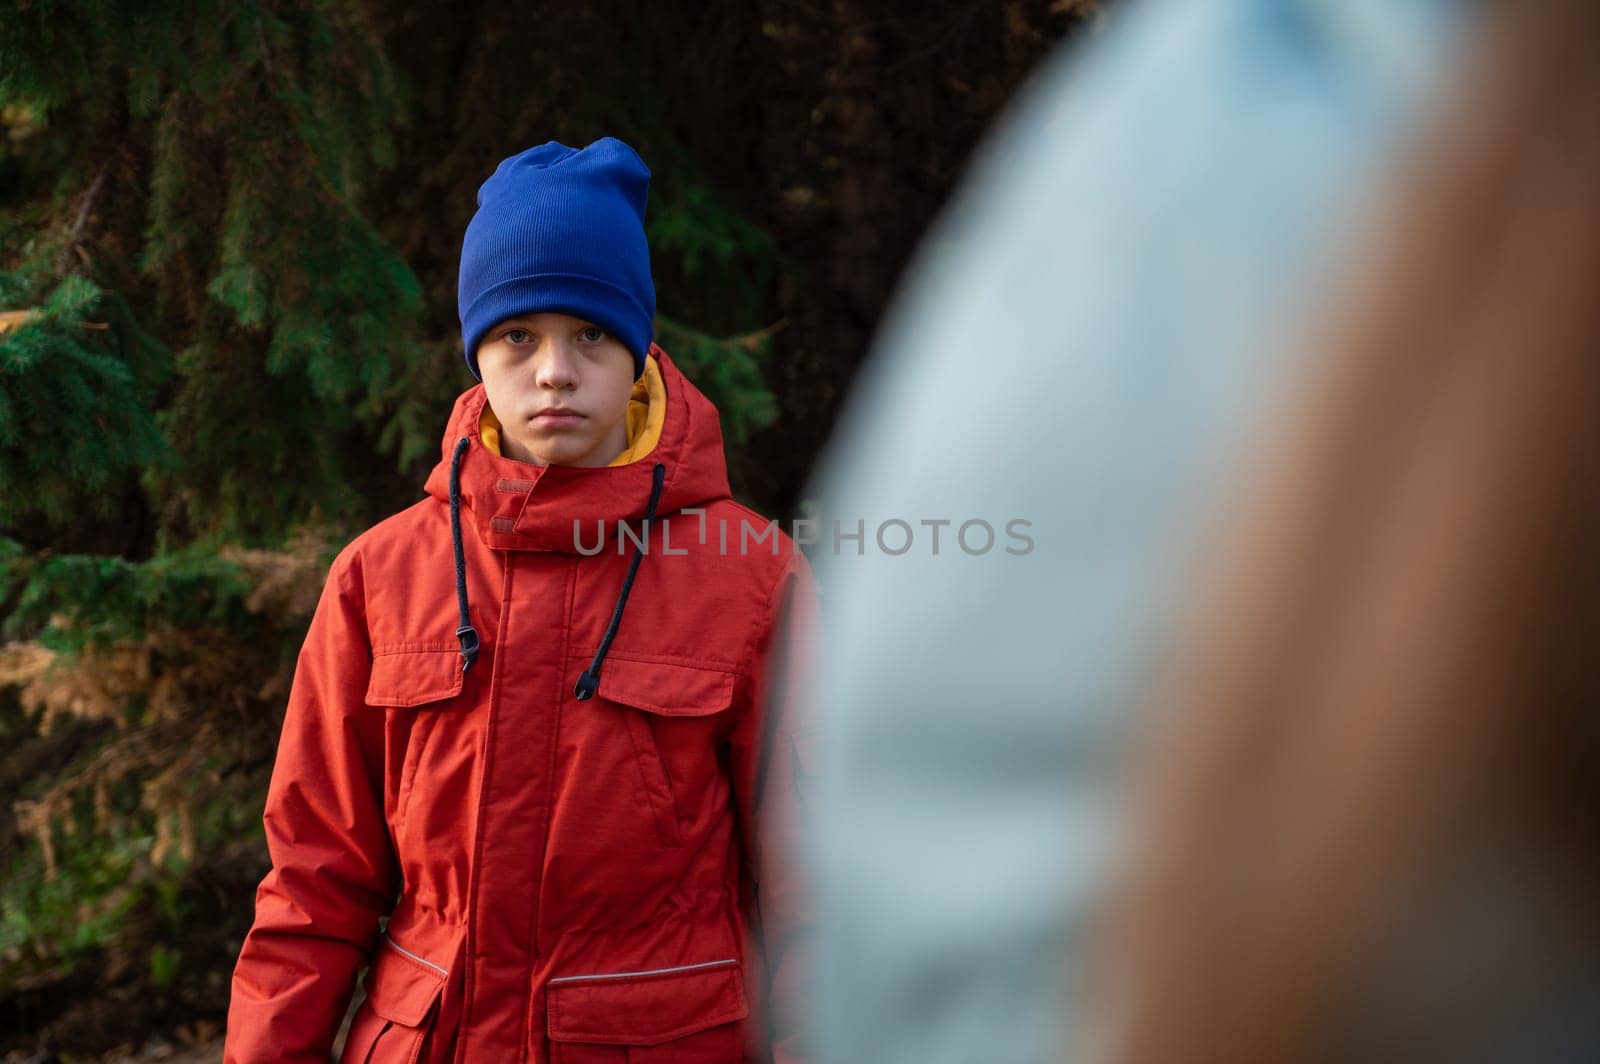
228 341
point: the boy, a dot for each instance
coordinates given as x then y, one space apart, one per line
542 763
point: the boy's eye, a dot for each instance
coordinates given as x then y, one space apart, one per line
518 336
593 334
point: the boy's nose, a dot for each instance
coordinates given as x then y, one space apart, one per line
558 369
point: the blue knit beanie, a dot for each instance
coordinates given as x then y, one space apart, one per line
561 229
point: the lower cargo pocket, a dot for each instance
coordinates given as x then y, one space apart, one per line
687 1014
393 1019
376 1040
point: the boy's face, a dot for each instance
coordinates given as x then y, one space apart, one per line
560 387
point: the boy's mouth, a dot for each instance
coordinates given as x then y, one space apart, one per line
556 418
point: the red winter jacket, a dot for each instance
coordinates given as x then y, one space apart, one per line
572 879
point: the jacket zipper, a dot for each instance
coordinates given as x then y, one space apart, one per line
650 971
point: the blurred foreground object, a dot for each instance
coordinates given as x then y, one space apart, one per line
1082 333
1368 826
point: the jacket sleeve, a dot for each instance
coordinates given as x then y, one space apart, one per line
334 873
770 761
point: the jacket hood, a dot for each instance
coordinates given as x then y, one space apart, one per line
518 506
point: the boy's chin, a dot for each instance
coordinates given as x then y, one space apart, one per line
563 453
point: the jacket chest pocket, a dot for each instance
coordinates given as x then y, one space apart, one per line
418 686
682 1015
668 712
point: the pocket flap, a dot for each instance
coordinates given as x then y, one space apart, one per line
402 986
412 677
646 1008
666 689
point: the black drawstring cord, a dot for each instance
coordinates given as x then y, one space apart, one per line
466 633
589 682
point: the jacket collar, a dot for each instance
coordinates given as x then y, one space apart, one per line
518 506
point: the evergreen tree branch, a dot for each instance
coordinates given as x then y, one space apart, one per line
747 341
76 234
